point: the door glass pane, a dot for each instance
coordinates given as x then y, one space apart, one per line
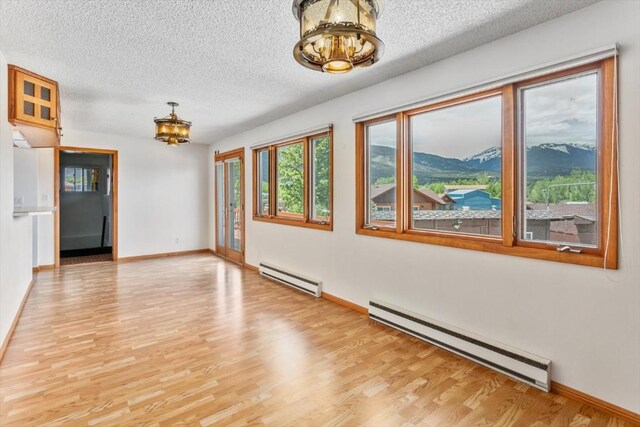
29 88
78 179
381 147
220 204
290 180
91 179
45 93
29 108
456 160
69 179
45 113
559 142
320 185
263 182
235 205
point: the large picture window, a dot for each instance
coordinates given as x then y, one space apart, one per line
526 169
293 182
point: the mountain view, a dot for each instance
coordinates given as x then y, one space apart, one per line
543 161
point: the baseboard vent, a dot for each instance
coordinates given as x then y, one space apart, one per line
515 363
304 284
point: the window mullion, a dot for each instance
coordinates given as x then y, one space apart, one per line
401 173
272 182
509 151
306 179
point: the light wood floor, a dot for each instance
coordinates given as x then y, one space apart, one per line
198 341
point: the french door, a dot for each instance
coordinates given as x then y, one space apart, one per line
229 168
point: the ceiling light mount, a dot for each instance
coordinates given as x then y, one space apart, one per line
337 36
172 129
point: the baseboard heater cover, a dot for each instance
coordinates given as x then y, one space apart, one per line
296 281
520 365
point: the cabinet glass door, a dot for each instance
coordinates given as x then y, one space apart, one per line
36 101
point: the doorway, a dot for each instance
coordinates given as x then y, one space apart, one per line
229 176
86 205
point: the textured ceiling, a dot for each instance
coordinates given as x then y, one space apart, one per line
227 62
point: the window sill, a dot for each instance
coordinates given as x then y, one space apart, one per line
495 246
295 222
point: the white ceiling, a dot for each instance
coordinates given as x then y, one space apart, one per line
229 63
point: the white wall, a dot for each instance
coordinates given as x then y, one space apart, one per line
162 204
25 188
45 198
33 171
15 233
585 320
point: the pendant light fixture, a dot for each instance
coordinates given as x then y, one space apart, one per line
337 36
172 129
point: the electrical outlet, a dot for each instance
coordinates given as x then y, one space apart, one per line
44 197
177 240
18 201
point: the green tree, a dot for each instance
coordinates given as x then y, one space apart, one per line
290 175
386 180
579 186
494 188
320 169
436 187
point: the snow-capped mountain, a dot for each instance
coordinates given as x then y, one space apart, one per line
486 155
544 160
488 159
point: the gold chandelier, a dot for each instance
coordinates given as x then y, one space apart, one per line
172 129
337 35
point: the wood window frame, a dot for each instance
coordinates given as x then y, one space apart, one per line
304 220
605 255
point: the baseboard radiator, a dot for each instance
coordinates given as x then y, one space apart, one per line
296 281
515 363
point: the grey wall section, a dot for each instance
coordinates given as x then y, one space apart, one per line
81 213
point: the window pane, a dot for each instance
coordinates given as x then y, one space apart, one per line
381 146
559 136
90 179
456 161
320 185
86 179
220 205
290 180
78 179
234 220
263 182
69 179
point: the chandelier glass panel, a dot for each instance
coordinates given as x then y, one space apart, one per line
337 35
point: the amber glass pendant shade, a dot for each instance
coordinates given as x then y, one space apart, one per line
337 36
172 129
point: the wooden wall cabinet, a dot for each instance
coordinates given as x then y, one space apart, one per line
34 107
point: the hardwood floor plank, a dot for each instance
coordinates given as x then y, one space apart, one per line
195 340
